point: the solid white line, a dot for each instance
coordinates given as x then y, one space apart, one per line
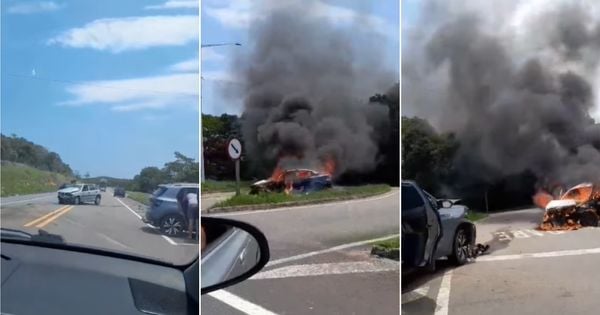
332 249
414 295
126 206
169 240
574 252
240 304
229 214
310 270
443 298
21 201
106 237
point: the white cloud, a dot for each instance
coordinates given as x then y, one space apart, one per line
221 76
174 4
132 33
238 13
136 94
211 55
34 7
190 65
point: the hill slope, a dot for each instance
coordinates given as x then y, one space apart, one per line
19 179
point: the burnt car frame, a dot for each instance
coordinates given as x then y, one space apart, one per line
293 181
577 207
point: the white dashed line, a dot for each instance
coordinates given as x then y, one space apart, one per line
22 201
575 252
443 298
106 237
328 269
126 206
323 251
168 239
240 304
415 294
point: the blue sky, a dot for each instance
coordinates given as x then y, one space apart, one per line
228 21
111 86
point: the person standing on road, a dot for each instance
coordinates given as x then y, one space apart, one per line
192 213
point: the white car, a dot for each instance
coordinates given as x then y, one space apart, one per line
79 193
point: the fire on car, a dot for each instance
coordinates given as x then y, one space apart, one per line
576 208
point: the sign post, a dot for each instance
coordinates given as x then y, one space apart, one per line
234 148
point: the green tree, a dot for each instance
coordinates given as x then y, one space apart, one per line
149 178
426 155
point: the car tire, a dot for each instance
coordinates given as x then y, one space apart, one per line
77 201
460 248
172 225
97 201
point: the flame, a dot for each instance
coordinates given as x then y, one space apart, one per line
277 175
288 188
542 198
329 166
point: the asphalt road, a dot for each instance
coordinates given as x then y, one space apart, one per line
526 272
114 225
305 275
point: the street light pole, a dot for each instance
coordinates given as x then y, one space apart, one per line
202 175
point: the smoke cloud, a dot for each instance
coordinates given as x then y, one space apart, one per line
306 84
517 84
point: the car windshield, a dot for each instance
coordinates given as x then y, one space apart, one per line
99 107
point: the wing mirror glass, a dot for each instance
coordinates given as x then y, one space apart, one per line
445 203
230 252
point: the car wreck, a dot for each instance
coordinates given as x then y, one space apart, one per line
576 208
292 181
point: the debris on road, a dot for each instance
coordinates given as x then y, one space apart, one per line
478 250
578 207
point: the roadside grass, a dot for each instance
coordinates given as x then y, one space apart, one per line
213 186
389 243
140 197
389 248
320 196
19 179
475 216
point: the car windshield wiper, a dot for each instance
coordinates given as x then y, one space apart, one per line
42 236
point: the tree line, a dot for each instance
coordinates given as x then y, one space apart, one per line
183 169
20 150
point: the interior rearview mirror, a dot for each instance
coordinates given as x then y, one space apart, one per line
230 252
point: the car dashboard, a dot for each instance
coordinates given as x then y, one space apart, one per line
45 280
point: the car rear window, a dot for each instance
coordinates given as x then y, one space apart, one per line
410 198
159 191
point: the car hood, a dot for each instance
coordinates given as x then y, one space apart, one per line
69 190
261 182
454 212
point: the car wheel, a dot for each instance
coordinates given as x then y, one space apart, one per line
77 201
172 225
460 252
97 201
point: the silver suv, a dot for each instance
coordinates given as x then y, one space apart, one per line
79 193
164 210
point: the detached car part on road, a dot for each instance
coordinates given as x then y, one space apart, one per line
578 207
293 181
432 229
80 193
164 210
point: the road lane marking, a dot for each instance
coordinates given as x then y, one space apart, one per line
126 206
574 252
240 304
505 236
415 294
331 249
26 200
35 221
310 270
168 239
54 217
106 237
443 297
228 214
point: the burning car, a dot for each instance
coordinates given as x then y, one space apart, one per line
293 180
576 208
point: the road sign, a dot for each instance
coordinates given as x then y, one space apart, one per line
234 148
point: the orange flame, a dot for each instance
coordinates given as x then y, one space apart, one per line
329 166
542 198
288 188
277 175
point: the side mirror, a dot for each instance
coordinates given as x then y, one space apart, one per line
445 203
230 252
